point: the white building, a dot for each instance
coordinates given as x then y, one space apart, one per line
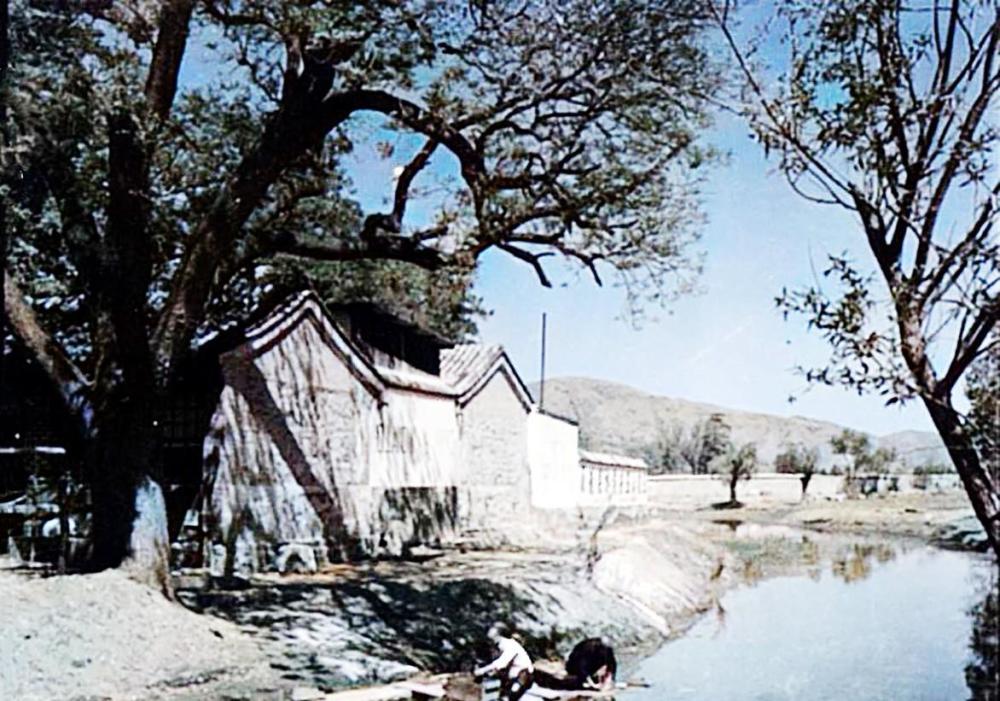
364 435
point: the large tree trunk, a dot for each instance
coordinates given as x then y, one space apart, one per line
981 486
129 513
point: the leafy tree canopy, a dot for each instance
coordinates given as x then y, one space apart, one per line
513 122
983 389
864 457
796 459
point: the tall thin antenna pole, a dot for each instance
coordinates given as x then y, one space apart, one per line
541 390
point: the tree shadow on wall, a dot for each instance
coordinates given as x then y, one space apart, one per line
407 516
243 375
429 512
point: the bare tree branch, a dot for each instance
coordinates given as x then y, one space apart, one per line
533 259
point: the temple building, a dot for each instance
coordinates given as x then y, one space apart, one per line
350 433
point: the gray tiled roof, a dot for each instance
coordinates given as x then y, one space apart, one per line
464 365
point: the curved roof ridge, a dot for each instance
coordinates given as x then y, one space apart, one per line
306 306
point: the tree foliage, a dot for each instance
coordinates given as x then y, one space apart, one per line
882 108
513 114
737 464
173 162
863 456
983 390
694 451
707 442
796 459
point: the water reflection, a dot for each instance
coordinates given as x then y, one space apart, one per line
872 622
982 674
856 563
765 551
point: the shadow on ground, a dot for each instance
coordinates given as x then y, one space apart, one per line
367 626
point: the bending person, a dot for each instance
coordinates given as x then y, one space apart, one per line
513 666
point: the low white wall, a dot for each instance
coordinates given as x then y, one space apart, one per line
702 490
553 461
612 485
671 490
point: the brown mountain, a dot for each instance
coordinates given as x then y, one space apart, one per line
621 419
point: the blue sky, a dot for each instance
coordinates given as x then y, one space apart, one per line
727 345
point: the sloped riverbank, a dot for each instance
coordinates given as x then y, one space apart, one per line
635 585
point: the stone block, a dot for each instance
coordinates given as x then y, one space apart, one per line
296 558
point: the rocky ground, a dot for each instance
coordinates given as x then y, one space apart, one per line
634 581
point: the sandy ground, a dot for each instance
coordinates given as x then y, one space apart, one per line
930 516
635 581
104 636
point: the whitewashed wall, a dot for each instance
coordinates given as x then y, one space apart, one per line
304 452
553 461
702 490
493 476
411 440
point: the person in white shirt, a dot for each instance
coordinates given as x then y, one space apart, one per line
513 666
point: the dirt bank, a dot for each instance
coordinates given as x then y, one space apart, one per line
632 584
104 636
929 516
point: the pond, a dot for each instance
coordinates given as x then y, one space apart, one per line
878 623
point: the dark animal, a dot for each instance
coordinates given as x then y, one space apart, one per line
592 661
591 665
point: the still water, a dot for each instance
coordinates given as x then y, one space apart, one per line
878 624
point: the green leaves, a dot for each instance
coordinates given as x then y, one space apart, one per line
880 107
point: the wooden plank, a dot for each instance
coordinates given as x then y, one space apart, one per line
392 692
429 690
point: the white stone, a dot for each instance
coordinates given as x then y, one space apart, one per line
296 558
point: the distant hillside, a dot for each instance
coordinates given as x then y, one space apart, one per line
621 419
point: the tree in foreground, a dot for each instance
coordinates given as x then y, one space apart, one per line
883 108
173 161
798 460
